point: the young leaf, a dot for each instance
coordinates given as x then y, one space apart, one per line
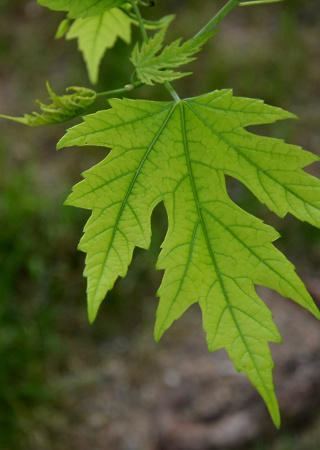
151 68
63 107
98 33
63 28
81 8
214 252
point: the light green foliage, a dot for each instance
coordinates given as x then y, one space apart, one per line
98 33
214 252
152 68
62 108
63 28
81 8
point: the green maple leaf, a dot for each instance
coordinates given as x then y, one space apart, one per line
214 252
151 67
81 8
98 33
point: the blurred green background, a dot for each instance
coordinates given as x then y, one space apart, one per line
46 344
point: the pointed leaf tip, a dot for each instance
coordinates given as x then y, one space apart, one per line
92 314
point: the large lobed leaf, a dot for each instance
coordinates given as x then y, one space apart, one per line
98 33
81 8
214 252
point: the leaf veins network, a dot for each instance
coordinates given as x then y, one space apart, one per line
214 252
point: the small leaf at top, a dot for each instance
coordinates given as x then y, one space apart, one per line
81 8
214 252
61 109
152 68
98 33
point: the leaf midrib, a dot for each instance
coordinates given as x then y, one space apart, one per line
149 149
198 206
216 268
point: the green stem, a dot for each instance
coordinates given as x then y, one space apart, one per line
258 2
127 88
218 17
140 21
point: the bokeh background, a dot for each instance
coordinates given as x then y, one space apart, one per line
65 384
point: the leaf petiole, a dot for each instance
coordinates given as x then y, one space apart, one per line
173 93
115 92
